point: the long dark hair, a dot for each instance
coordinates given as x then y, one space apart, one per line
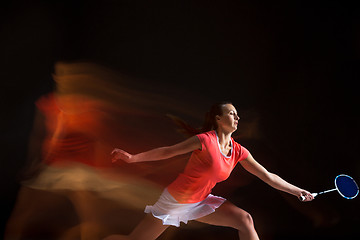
209 121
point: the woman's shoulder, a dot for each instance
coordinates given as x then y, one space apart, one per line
208 134
237 144
240 150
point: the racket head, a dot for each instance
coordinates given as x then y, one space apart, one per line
346 186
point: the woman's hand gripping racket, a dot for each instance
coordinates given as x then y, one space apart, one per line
344 184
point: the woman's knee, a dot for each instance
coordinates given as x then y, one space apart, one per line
243 221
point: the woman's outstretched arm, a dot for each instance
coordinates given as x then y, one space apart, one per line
252 166
156 154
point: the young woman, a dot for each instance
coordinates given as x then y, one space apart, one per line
214 155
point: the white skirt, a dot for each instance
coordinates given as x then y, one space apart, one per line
172 213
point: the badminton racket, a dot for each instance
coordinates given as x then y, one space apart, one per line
344 185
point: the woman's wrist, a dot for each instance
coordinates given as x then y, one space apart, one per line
134 158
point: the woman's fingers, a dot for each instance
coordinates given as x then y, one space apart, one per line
114 151
119 154
306 196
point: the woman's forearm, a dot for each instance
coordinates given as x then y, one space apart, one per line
153 155
274 180
278 183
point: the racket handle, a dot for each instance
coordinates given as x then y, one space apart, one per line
302 198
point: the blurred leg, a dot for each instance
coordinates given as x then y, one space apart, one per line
150 228
87 207
21 213
32 214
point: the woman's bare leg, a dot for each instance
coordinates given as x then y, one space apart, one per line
149 228
230 215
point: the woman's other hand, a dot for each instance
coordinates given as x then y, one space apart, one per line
118 154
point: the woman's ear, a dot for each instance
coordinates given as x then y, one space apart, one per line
217 117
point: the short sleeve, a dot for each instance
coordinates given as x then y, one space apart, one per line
244 153
202 138
241 152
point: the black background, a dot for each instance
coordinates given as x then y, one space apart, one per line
293 63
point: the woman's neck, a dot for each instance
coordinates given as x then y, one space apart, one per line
224 138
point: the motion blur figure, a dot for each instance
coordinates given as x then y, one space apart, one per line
69 188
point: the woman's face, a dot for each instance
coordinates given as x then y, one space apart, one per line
228 121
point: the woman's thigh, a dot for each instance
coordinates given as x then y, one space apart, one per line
227 215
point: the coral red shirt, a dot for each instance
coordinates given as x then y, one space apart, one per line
205 168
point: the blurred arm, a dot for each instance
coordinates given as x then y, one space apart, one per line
34 151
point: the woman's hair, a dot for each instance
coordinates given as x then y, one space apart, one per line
209 121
